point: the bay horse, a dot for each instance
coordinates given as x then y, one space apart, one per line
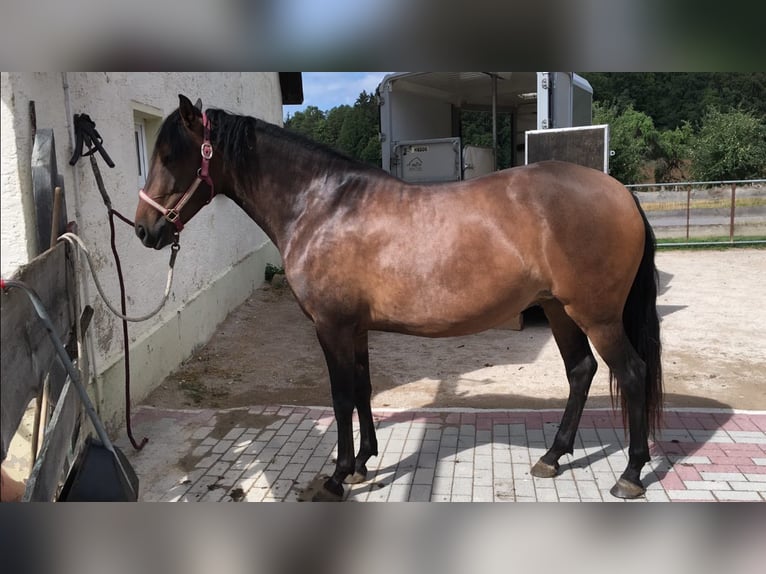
363 250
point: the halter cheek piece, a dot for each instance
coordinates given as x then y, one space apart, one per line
173 215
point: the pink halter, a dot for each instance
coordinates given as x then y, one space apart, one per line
173 215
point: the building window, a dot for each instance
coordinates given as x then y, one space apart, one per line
146 125
140 136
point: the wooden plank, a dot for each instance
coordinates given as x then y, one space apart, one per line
49 467
45 178
26 352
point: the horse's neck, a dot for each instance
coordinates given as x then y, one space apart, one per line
280 190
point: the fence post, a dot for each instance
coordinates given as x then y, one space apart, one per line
688 209
731 217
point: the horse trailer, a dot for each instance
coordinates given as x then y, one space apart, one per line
420 122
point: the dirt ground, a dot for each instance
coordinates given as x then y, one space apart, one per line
713 309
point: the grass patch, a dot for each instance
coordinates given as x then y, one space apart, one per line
703 204
717 242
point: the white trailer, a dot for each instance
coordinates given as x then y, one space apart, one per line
420 117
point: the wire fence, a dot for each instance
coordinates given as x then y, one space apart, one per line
705 212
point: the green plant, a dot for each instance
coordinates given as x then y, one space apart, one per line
632 137
672 149
730 145
272 270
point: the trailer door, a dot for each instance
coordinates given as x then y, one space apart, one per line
555 97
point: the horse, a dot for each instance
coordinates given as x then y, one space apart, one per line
363 250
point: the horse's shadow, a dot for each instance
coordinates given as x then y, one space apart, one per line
666 451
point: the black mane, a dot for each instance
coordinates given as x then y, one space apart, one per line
298 139
234 138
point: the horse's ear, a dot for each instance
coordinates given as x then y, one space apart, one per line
198 105
189 113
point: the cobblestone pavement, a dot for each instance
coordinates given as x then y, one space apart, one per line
271 453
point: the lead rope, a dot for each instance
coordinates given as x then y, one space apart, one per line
75 240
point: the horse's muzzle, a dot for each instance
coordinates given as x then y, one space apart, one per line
156 238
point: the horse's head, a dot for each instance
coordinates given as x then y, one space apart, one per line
178 184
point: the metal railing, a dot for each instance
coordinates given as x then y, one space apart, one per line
705 212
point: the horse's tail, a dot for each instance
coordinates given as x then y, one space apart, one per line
642 326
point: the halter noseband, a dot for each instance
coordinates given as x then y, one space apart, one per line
173 215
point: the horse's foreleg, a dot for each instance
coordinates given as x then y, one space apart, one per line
580 367
362 394
338 346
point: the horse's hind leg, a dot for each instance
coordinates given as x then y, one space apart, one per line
362 395
580 367
629 369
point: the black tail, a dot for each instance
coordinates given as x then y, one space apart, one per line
642 325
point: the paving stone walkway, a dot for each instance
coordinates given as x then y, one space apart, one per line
270 453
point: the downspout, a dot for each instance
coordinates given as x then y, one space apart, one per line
87 371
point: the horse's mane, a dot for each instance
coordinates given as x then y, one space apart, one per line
234 138
292 138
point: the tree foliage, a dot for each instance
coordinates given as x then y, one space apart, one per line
730 145
674 98
632 137
350 129
673 148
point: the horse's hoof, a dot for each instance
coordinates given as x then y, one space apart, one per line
324 495
356 478
626 489
318 491
544 470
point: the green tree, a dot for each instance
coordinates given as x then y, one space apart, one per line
671 98
730 145
334 122
361 126
632 137
310 122
672 150
352 130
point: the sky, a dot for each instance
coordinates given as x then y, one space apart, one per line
326 90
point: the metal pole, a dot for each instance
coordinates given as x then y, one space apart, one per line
733 205
494 117
688 208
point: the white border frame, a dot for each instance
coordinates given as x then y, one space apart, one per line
554 130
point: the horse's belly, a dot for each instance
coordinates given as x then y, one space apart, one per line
461 313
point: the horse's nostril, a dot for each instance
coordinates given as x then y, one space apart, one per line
141 232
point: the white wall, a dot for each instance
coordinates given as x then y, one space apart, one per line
222 251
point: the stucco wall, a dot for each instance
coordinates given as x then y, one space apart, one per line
222 251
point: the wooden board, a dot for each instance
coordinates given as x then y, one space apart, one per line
26 351
50 465
45 178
